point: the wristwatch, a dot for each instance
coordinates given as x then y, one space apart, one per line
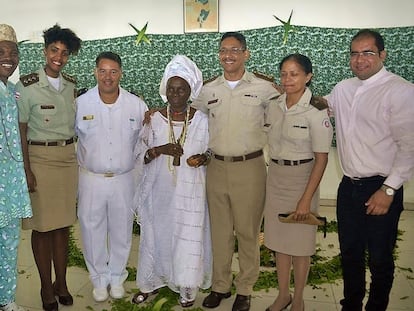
388 190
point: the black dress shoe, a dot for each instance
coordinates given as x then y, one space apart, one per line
53 306
214 298
242 303
66 300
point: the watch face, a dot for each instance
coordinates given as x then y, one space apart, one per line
389 191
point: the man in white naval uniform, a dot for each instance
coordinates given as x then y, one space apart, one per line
108 121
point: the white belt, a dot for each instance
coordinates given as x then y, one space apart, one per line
106 174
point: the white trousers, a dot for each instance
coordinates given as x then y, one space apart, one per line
106 219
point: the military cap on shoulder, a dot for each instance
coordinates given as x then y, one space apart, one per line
29 79
319 102
264 76
68 78
210 80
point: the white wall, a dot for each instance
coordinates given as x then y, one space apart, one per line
97 19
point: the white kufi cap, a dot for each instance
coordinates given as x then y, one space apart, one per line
7 33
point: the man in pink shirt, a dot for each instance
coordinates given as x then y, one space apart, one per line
374 114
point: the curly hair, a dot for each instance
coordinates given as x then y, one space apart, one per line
64 35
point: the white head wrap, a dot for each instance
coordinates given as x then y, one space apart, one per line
183 67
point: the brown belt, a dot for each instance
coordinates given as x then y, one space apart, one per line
291 162
245 157
52 143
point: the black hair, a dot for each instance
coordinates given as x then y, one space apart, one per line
369 33
237 35
64 35
108 55
303 61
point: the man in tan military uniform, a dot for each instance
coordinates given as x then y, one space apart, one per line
236 103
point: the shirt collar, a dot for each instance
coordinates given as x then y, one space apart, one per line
304 101
373 79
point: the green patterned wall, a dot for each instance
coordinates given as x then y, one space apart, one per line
143 64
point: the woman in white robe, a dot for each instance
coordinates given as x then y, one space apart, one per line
175 246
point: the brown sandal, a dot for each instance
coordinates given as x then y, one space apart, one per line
140 297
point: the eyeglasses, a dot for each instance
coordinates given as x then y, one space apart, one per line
364 54
232 51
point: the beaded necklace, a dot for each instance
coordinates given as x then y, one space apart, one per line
171 136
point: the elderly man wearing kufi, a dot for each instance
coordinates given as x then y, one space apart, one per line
175 247
14 196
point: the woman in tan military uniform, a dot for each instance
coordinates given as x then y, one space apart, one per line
299 140
46 115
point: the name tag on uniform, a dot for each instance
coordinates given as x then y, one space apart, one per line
212 101
88 117
47 107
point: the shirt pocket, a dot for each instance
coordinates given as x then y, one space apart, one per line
251 109
87 123
133 125
297 128
47 113
213 108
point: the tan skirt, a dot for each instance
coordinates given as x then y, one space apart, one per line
285 185
54 202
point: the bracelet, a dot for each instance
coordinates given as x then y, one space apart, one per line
147 156
208 155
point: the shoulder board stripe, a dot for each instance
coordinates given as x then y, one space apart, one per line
319 103
68 78
29 79
210 80
264 76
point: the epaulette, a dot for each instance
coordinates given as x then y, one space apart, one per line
29 79
210 80
140 96
80 91
319 102
264 76
68 77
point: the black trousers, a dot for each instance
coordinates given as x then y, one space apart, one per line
359 234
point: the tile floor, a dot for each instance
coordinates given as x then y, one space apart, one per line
325 298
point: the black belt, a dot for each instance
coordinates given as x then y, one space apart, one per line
245 157
52 143
359 181
291 162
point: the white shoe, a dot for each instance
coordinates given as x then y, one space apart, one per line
100 294
12 306
117 291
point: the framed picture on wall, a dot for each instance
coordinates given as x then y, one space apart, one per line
200 16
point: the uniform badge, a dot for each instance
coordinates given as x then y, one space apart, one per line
88 117
326 123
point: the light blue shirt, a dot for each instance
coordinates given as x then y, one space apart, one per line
14 195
